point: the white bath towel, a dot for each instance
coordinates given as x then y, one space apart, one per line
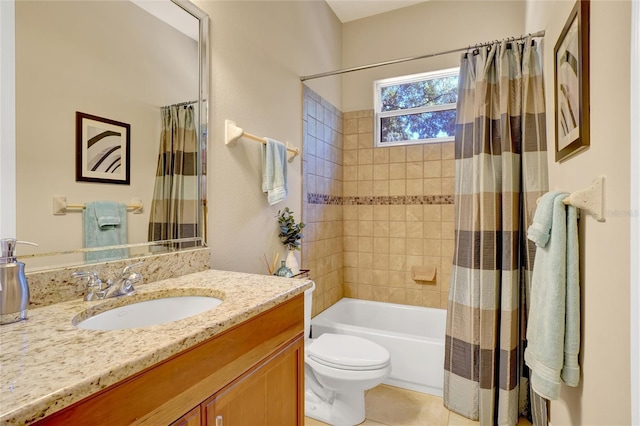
553 329
274 171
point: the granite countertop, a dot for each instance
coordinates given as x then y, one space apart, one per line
46 363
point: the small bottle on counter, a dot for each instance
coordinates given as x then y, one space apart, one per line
283 271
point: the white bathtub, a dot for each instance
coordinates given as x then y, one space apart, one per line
414 336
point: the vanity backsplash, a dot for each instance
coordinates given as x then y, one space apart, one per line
56 285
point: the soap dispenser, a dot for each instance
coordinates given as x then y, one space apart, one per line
14 289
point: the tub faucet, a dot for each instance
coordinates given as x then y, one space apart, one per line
98 289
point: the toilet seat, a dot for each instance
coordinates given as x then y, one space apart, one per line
347 352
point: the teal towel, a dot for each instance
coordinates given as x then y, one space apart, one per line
553 329
274 171
112 232
107 213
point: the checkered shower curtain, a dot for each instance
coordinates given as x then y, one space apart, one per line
501 169
174 208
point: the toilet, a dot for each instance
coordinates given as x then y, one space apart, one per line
338 368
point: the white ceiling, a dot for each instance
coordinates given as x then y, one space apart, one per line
350 10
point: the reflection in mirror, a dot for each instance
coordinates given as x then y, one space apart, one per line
117 61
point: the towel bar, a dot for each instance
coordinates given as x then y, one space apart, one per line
590 200
60 206
232 133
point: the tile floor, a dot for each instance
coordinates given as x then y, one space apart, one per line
392 406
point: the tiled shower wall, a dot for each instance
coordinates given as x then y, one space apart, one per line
373 213
398 213
322 250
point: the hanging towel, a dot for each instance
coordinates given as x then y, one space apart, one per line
105 224
274 171
553 329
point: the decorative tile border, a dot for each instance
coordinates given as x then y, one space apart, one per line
336 200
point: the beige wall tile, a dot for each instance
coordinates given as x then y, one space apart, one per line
381 228
365 244
397 246
381 172
350 126
414 187
365 276
350 158
432 247
397 187
380 188
381 245
415 230
381 261
415 246
365 156
365 188
365 125
350 212
448 168
432 169
380 277
448 151
415 152
381 213
397 262
350 142
365 140
433 186
415 170
432 152
365 292
448 186
365 212
381 155
397 212
398 229
397 171
350 173
414 213
398 154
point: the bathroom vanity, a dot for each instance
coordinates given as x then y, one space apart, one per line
237 364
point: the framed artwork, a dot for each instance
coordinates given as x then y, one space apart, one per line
571 93
102 150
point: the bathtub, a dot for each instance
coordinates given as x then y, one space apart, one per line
414 337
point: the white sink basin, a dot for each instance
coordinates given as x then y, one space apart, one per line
149 312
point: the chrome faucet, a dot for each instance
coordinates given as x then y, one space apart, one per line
98 289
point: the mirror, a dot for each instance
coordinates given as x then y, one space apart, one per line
114 60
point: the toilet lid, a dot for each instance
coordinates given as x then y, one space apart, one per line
348 352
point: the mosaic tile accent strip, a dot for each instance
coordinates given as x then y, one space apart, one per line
409 200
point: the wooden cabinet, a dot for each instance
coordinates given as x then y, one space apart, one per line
192 418
251 374
267 395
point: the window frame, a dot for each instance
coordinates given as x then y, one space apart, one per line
378 115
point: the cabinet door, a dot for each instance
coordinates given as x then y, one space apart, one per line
192 418
271 394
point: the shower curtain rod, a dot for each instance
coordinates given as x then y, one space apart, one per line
180 104
397 61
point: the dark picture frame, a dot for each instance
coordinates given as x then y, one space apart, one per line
571 84
103 149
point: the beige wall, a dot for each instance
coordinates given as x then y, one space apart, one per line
259 51
602 398
80 61
429 27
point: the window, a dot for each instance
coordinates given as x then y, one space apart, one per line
415 109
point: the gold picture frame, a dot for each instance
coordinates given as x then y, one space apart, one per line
571 84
